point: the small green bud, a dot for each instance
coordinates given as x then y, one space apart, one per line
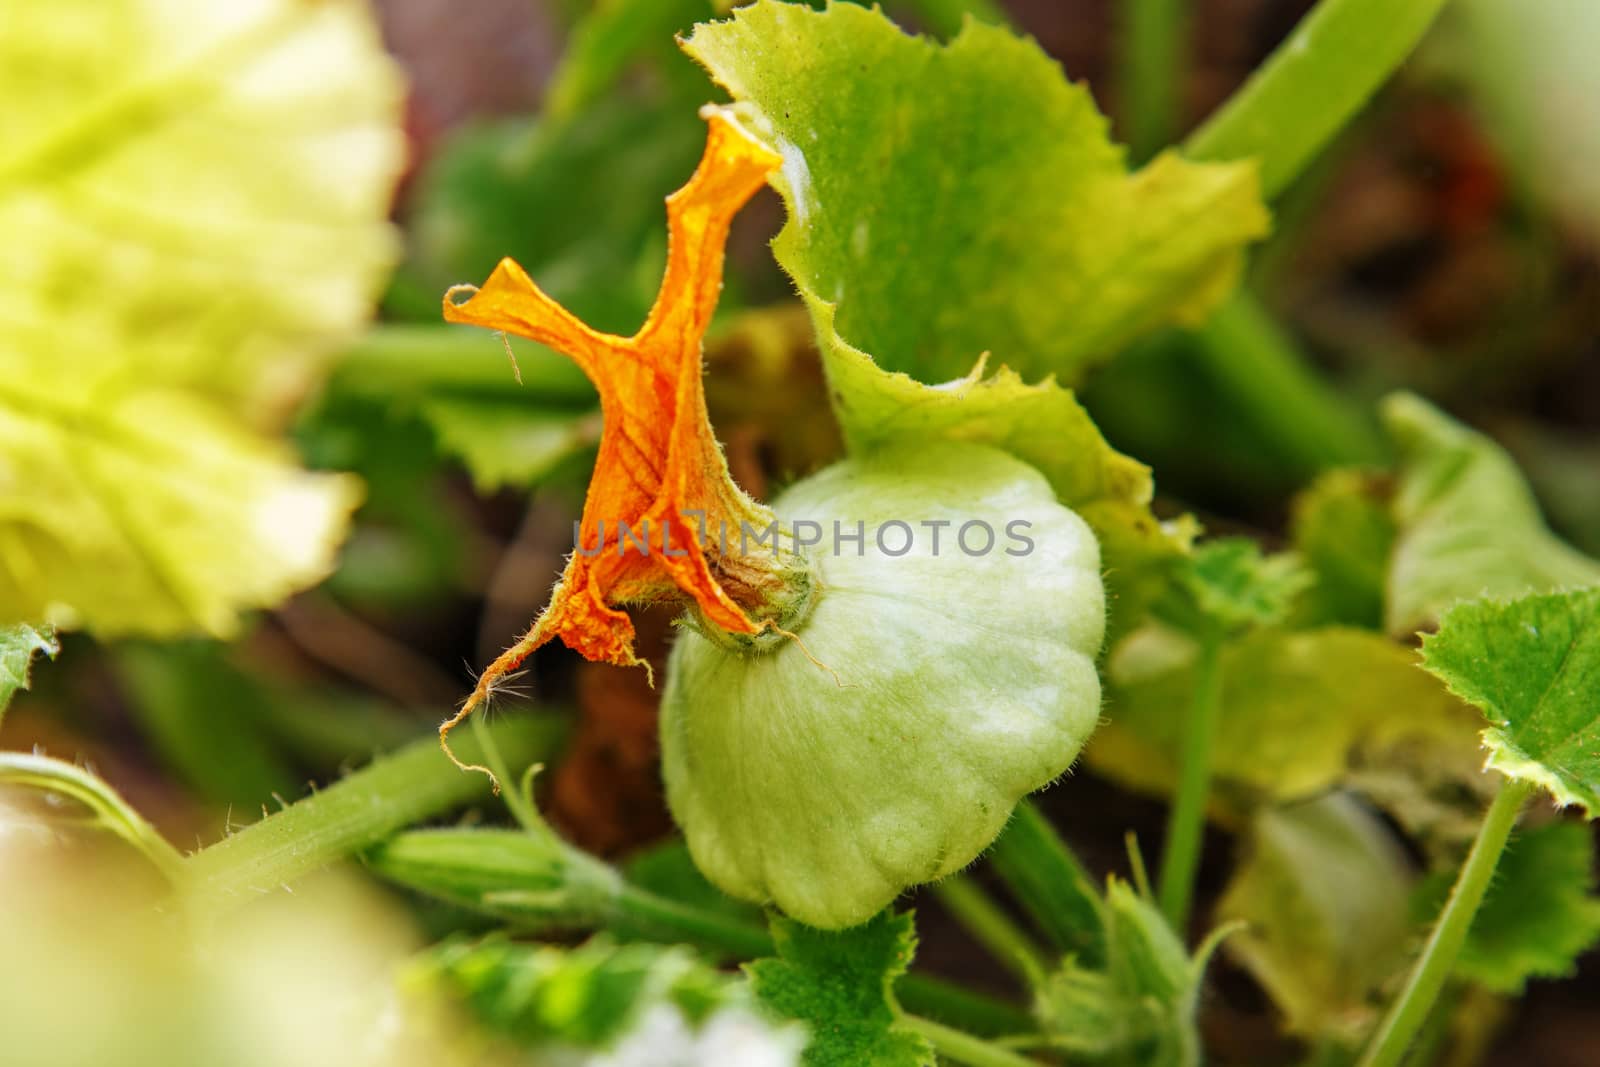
515 875
884 741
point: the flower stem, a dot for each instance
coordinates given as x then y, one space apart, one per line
1051 884
1153 67
1428 976
358 811
1186 822
992 927
960 1047
1319 77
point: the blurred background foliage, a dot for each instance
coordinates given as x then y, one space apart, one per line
1448 243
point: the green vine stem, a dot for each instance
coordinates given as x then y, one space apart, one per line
1051 884
109 809
958 1047
1153 71
1258 365
993 928
358 811
1318 78
1187 819
1432 969
1288 111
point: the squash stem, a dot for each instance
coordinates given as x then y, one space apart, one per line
1428 976
992 927
958 1047
1186 822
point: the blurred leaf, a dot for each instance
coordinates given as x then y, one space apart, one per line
1323 890
988 176
579 203
1141 1007
1539 916
1342 529
204 719
247 738
668 871
1468 524
1228 585
412 541
18 645
610 35
841 985
641 1004
1297 709
194 202
1533 666
509 433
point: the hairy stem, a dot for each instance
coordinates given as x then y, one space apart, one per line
358 811
1429 974
992 927
1186 821
1152 72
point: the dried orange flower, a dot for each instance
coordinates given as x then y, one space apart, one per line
659 467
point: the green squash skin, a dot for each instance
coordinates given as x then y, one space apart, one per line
963 684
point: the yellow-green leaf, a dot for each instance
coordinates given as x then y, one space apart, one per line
1297 710
194 199
1323 891
953 199
1468 523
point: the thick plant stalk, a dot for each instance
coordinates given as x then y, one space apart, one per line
957 1047
1432 969
358 811
1312 85
1154 66
993 928
1187 820
1051 884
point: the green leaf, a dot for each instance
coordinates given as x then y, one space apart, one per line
174 692
1322 891
1139 1008
1540 913
18 645
1228 585
636 1003
1297 711
987 177
841 985
195 202
578 202
1342 529
1533 666
1468 524
610 35
509 433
